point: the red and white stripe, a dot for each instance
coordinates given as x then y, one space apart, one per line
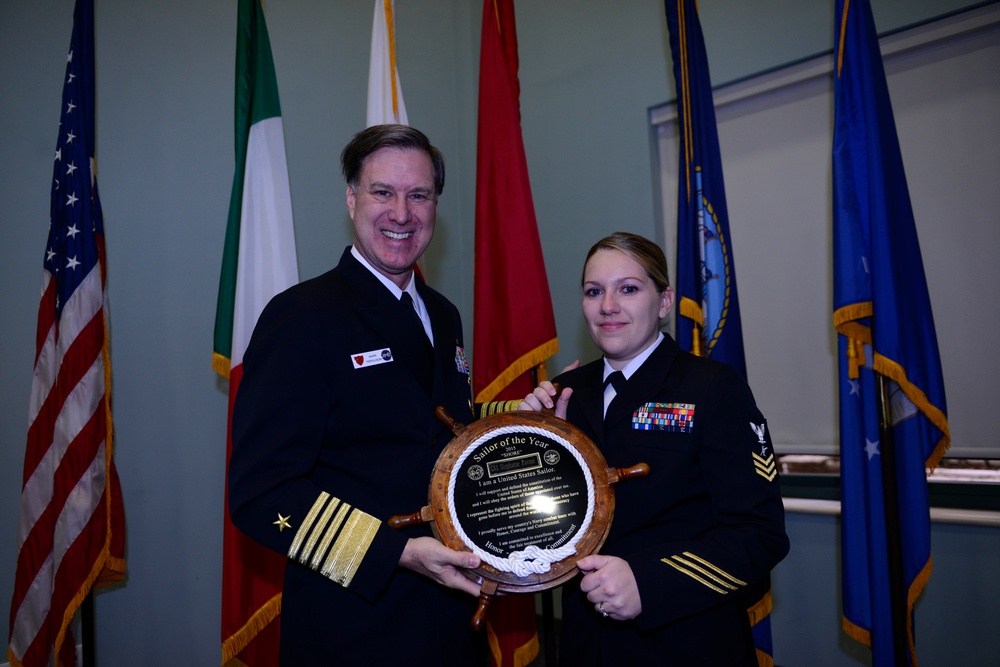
63 538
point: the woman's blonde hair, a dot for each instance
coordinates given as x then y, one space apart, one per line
648 255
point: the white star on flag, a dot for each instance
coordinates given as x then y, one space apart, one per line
871 448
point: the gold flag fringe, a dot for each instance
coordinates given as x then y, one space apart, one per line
763 659
761 609
916 588
858 335
220 364
692 310
857 633
391 29
232 646
757 613
893 370
523 655
525 363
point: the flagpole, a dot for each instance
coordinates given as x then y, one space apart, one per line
549 627
87 627
894 552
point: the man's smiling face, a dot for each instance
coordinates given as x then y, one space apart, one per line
394 210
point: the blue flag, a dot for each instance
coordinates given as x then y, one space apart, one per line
883 319
709 311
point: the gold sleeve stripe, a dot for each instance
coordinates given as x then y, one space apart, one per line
350 548
318 528
704 572
694 576
306 526
691 566
328 535
494 407
716 568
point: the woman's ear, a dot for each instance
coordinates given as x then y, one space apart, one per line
667 302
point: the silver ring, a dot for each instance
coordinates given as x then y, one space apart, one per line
601 609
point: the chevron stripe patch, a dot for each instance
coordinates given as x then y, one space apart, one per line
765 467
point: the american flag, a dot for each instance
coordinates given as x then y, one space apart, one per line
71 532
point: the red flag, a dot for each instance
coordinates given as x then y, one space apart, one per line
514 327
258 262
71 530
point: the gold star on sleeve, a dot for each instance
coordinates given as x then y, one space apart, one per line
282 522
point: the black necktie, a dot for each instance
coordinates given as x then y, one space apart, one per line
425 359
406 301
617 380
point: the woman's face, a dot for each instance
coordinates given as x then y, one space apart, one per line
621 305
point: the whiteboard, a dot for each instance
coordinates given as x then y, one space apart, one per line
775 134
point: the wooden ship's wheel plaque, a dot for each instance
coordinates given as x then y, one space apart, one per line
527 492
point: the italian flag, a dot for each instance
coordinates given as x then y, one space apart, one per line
258 262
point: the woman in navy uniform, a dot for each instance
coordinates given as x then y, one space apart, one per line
692 544
334 431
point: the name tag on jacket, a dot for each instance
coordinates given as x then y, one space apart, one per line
373 358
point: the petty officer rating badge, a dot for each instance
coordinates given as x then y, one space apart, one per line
763 463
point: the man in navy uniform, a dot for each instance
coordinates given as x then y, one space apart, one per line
334 431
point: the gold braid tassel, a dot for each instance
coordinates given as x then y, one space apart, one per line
856 357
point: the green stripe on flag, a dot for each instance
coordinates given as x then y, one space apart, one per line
256 100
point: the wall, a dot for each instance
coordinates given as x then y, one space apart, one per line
955 617
776 135
589 72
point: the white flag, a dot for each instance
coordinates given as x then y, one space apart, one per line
385 95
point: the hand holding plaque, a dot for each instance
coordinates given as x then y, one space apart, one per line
527 492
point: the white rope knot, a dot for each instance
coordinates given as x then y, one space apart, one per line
533 560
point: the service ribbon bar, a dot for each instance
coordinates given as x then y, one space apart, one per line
672 417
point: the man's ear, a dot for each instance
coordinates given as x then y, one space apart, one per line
350 201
